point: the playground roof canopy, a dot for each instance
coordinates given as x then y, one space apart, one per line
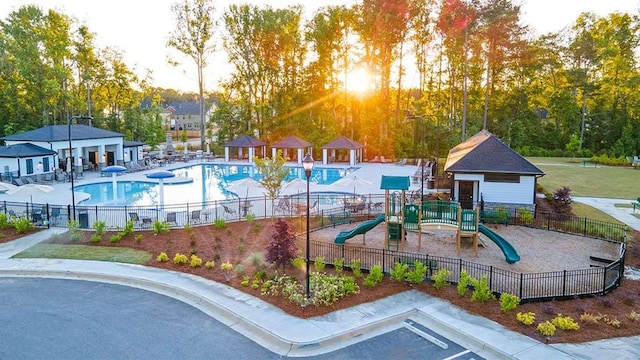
485 153
394 182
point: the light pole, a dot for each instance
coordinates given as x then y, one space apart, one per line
71 164
307 163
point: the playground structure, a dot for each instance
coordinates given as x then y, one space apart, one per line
401 217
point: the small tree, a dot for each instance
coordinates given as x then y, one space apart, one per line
282 247
273 172
562 200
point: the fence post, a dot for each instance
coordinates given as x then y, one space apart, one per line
384 256
521 284
564 282
584 229
491 277
548 221
604 279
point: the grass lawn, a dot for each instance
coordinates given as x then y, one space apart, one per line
603 181
586 211
83 252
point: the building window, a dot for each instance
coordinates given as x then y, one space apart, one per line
45 164
29 166
504 178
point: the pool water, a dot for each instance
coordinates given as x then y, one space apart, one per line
210 183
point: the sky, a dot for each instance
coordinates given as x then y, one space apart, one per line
140 29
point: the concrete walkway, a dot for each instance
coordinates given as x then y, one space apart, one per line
624 214
290 336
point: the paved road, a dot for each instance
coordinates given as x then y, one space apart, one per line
77 319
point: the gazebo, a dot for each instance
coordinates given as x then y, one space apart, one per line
248 142
292 142
354 148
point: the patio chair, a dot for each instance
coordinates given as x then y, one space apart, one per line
195 217
133 216
29 180
55 215
229 211
172 218
401 162
18 181
284 205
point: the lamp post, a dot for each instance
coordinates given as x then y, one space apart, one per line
307 164
71 164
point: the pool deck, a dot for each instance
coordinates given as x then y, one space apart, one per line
370 172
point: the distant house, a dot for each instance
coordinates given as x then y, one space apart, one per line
484 168
186 115
91 148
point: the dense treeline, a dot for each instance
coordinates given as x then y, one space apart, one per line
438 70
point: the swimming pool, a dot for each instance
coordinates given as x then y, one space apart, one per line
210 183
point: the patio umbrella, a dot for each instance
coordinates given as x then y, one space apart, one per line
5 187
161 175
247 186
26 193
295 186
354 182
114 170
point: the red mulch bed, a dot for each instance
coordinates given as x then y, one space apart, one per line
238 240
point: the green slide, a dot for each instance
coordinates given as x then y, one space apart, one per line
359 230
510 254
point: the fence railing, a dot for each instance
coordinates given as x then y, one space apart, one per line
527 286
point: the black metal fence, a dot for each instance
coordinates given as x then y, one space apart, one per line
527 286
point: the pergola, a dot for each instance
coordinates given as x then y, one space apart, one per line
342 143
292 142
242 142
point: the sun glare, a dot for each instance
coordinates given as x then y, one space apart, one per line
358 81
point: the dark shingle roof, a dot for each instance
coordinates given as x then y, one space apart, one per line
130 143
245 141
485 153
61 133
292 142
185 108
342 143
24 150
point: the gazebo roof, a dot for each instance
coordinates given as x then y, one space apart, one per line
343 143
245 141
292 142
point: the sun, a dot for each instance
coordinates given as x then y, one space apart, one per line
358 80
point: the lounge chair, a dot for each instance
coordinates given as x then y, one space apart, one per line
133 216
18 181
29 180
229 211
402 162
382 159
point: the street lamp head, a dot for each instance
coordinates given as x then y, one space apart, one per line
307 164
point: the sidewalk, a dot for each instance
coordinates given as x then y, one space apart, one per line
290 336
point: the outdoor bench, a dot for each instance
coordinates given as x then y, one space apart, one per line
340 218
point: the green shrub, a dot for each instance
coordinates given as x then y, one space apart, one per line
526 216
22 225
162 257
138 238
356 268
220 223
440 278
115 238
527 318
299 262
210 264
546 328
399 271
319 264
250 218
417 274
195 261
239 269
96 238
338 265
128 228
481 290
160 227
328 289
99 227
256 259
245 280
508 302
565 323
374 277
501 214
463 283
4 221
180 259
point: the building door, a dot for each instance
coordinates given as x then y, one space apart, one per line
465 194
